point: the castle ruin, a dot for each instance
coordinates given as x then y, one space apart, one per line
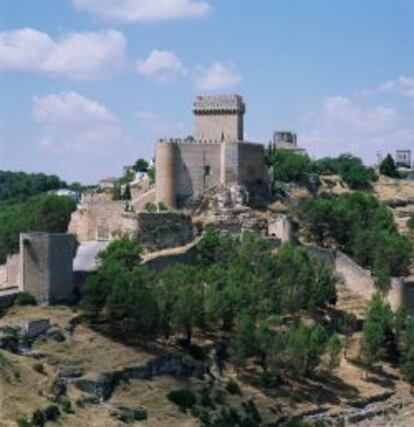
217 156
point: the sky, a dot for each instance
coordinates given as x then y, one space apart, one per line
87 86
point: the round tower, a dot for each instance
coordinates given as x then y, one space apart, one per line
165 174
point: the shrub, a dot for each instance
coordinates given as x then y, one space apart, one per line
24 422
389 168
289 166
233 388
25 299
151 207
39 368
184 398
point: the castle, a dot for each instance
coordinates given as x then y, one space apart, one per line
217 155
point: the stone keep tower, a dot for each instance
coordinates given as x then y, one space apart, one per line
217 156
219 118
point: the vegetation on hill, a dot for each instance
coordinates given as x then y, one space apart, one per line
237 285
389 168
362 227
20 185
39 213
350 168
289 166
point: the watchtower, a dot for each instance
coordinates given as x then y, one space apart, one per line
219 118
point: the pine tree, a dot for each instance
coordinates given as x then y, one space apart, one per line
388 167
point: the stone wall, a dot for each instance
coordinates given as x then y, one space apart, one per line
281 227
46 262
101 221
159 262
219 118
360 281
162 230
13 270
197 168
188 169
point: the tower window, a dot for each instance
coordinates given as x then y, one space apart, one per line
207 170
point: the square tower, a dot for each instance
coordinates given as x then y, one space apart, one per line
219 118
403 159
46 266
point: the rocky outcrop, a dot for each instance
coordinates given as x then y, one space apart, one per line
101 386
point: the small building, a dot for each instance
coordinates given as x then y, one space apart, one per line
284 140
217 156
403 159
63 192
107 183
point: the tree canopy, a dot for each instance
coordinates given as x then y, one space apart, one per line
20 185
389 168
39 213
361 226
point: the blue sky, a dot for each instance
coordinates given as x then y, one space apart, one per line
87 86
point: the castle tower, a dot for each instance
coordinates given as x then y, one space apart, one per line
165 167
219 118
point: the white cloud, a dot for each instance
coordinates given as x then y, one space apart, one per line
362 125
218 77
161 66
401 86
143 10
80 56
71 122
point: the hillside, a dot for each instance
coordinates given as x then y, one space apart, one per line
81 358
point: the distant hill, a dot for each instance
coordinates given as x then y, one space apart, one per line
20 185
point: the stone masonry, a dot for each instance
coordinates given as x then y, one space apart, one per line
46 266
218 156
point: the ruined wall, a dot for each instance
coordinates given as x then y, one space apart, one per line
253 172
13 270
160 262
101 221
280 227
359 280
46 262
162 230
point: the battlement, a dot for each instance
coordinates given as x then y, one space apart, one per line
222 104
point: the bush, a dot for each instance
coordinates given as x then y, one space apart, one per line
388 167
151 207
233 388
184 398
410 223
25 299
39 368
24 422
289 166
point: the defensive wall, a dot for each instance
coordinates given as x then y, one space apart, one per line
360 281
187 169
108 220
46 266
